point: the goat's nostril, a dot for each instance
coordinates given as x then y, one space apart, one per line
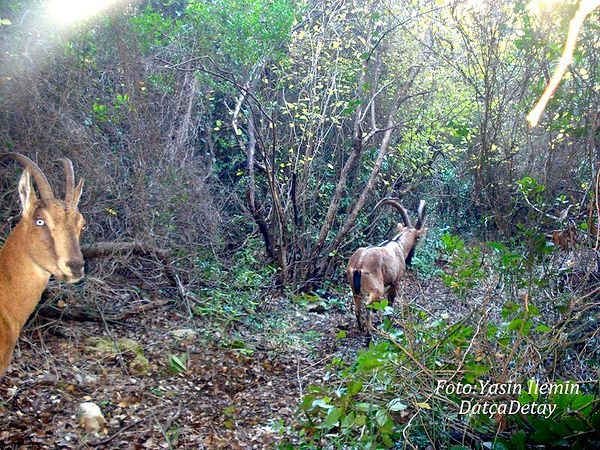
75 265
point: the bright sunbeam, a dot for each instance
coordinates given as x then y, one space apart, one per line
70 11
539 6
585 9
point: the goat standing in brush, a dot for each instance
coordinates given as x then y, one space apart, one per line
372 270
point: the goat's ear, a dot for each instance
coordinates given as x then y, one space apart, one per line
26 192
422 232
400 227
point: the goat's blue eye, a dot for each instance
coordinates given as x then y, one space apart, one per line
40 222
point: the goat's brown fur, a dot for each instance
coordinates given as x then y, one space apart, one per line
45 242
373 270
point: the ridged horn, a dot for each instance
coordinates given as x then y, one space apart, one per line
43 186
421 215
395 202
70 181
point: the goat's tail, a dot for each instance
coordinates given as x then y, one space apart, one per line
356 282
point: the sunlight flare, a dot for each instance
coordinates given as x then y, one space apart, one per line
71 11
539 6
585 8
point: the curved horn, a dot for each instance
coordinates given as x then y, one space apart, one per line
395 202
39 177
70 178
421 215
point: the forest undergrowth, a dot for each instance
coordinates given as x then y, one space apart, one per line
231 375
234 366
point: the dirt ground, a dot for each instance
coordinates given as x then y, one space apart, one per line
226 398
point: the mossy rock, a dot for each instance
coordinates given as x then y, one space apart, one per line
101 345
106 346
130 348
139 365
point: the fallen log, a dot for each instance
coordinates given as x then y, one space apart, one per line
81 314
101 249
110 248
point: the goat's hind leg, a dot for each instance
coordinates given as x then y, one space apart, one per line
391 295
357 311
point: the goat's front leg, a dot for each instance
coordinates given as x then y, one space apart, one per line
374 296
369 322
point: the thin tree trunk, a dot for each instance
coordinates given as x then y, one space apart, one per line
255 209
401 96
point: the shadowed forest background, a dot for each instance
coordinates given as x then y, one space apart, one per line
239 147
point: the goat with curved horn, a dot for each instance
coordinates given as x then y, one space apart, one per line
45 242
72 192
39 177
420 215
373 270
395 202
69 180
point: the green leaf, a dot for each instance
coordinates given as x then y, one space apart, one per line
533 310
307 402
379 306
519 440
178 364
332 418
341 334
387 440
368 363
515 324
532 389
229 410
396 405
526 328
580 401
576 424
349 420
382 417
322 403
354 387
477 369
366 407
560 429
